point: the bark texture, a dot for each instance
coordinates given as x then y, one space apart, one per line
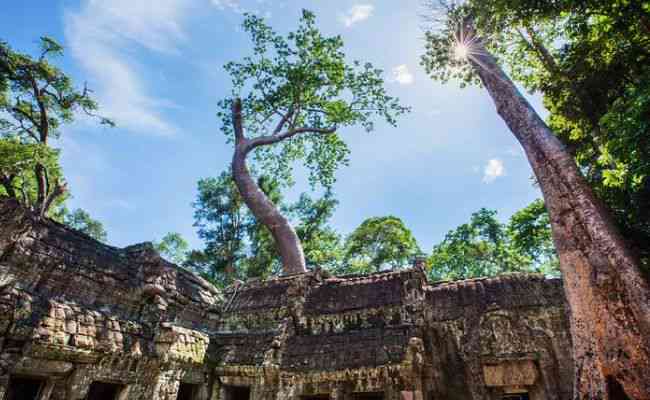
607 292
286 240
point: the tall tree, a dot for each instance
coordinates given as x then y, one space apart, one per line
380 242
608 295
36 99
591 61
237 246
289 101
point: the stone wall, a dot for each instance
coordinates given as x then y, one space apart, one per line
79 319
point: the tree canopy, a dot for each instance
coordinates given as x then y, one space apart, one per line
82 221
380 243
486 247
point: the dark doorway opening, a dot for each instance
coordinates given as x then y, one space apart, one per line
103 391
316 397
238 393
187 391
368 396
615 390
24 388
515 396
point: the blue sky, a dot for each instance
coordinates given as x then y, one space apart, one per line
156 68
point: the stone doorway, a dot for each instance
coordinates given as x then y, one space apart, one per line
316 397
24 388
187 391
237 393
104 391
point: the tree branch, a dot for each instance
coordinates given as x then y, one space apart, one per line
538 47
44 123
237 121
267 140
283 121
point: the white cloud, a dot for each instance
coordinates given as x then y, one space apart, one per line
98 34
228 4
402 75
358 13
493 169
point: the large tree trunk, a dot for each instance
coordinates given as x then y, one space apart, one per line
608 295
285 237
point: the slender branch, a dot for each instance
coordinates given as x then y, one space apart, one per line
283 121
237 121
545 56
267 140
29 130
29 117
44 123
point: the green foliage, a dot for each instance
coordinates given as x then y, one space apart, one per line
321 243
379 243
223 225
36 100
18 161
83 222
486 247
301 85
591 61
173 247
529 233
36 97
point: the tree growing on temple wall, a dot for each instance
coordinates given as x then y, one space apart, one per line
290 100
36 100
606 289
237 246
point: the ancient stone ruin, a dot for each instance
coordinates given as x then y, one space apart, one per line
82 320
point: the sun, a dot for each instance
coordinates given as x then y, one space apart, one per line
461 51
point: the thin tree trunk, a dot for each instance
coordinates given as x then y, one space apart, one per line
286 239
608 296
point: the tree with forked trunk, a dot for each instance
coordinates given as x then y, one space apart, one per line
289 101
607 291
36 99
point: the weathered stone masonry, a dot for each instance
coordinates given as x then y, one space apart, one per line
82 320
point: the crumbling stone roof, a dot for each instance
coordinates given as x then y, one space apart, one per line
450 300
371 347
343 294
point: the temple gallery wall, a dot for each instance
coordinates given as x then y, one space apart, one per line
82 320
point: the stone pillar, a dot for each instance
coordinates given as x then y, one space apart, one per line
50 384
4 386
78 384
